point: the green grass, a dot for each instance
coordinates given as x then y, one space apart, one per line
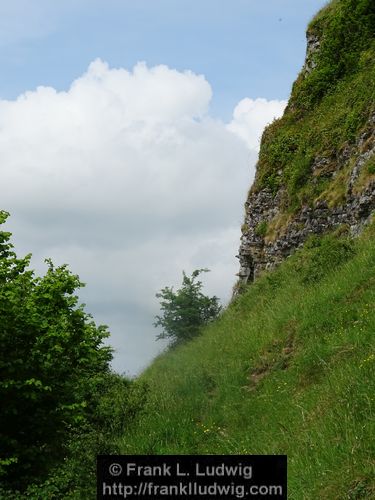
290 365
288 368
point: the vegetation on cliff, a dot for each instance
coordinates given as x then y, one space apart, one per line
331 106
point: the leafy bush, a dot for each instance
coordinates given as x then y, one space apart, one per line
114 404
50 352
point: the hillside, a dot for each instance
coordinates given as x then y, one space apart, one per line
289 366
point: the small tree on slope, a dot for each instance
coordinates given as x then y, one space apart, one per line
186 310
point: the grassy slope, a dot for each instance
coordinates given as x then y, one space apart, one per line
288 368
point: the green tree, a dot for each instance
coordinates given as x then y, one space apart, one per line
50 351
186 310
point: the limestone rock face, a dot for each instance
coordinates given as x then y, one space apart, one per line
258 252
313 46
270 233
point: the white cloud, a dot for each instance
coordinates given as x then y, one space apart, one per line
250 116
127 178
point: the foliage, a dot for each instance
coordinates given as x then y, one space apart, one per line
297 175
321 255
288 368
345 29
328 110
185 311
50 352
63 404
115 402
261 228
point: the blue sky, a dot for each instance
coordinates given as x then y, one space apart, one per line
243 47
129 134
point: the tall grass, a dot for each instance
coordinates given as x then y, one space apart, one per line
288 368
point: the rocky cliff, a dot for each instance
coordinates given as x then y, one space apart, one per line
316 168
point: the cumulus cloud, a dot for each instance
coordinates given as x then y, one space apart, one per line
127 178
250 116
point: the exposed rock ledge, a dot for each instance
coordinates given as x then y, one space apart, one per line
258 252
